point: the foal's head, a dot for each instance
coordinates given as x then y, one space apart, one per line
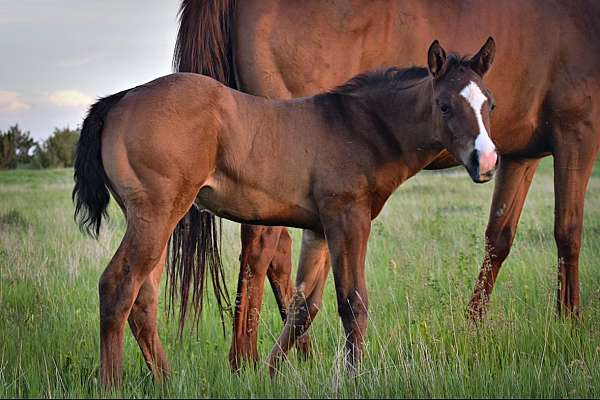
462 108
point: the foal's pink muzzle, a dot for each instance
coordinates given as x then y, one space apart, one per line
487 162
482 165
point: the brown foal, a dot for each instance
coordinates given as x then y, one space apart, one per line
546 79
325 164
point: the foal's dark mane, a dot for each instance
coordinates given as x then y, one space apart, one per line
362 104
400 78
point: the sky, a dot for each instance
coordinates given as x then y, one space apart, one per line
58 56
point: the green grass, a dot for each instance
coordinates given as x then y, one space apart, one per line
424 255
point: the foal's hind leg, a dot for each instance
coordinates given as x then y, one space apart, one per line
143 323
306 301
512 184
576 148
139 253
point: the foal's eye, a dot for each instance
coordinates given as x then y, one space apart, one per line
445 109
492 106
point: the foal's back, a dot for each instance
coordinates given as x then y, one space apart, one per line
187 132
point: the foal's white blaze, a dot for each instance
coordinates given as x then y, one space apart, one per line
483 144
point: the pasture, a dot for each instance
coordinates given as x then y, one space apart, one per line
424 255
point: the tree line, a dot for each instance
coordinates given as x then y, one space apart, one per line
19 150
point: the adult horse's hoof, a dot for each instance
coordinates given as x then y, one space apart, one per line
242 352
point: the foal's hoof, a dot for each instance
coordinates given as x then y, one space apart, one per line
304 347
274 362
272 371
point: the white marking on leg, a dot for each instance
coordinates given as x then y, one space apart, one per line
475 97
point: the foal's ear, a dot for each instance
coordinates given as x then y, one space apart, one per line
482 61
436 60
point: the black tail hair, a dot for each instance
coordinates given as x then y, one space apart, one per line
194 248
90 193
203 46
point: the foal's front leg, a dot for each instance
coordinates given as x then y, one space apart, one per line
347 233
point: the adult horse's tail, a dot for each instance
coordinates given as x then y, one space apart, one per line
204 43
91 194
203 46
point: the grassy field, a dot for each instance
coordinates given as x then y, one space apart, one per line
424 255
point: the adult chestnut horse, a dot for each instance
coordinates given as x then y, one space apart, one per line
333 161
546 81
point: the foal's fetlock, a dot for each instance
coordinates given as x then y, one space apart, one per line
298 316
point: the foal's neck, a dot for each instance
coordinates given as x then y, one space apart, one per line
396 118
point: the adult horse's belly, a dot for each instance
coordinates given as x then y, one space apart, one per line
243 203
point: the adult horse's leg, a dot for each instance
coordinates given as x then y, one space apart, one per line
266 251
143 323
576 148
259 244
140 251
306 301
347 234
513 180
279 274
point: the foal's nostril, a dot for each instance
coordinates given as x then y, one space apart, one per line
474 158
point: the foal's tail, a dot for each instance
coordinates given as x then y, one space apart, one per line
204 47
90 194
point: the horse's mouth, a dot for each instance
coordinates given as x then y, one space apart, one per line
478 177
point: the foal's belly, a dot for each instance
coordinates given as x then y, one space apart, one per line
245 204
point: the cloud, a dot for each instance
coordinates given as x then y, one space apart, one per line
69 98
11 102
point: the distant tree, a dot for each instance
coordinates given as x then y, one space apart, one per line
15 147
58 150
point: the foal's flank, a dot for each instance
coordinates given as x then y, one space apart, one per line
325 164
